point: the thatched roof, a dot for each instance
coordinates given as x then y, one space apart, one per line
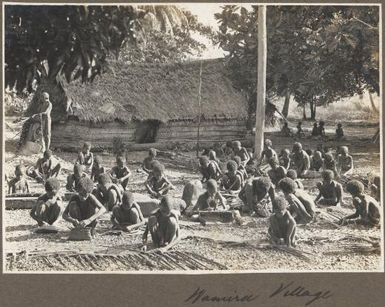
158 92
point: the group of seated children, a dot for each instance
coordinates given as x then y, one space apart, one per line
277 193
318 130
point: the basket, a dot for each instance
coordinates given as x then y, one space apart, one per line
80 234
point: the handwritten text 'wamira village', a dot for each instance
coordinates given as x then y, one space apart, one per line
288 291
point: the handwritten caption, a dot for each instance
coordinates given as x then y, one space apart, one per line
284 290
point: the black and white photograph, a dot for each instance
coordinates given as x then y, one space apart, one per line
192 138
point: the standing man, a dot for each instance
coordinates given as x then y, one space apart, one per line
45 118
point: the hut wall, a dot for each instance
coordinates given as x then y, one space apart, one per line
73 133
211 131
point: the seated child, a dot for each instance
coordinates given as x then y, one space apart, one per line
375 188
286 131
317 162
258 196
97 168
330 164
213 159
292 174
47 209
86 157
148 161
284 158
300 160
191 192
345 162
231 181
367 208
84 209
321 128
276 173
315 130
241 169
228 149
157 183
282 225
127 213
339 132
302 206
163 225
44 168
73 180
108 193
19 184
240 151
300 132
268 152
120 173
208 169
211 199
330 191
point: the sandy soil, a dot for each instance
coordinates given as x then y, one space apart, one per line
322 245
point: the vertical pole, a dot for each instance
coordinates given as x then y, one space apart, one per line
261 85
199 108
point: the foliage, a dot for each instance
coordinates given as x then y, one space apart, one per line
318 53
47 41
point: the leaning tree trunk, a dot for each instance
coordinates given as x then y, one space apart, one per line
313 106
304 111
285 109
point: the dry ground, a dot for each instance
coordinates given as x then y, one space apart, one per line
322 244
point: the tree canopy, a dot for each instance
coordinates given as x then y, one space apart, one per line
317 53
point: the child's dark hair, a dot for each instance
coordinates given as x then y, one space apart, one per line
262 184
211 183
104 179
292 174
152 152
287 185
327 175
98 160
52 184
280 203
355 187
86 184
232 166
204 160
128 197
238 160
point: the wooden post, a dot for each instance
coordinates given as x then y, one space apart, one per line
261 85
199 108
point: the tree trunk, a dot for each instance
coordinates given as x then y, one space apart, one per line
261 83
304 111
313 106
372 103
285 109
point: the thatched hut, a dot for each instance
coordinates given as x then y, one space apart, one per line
152 104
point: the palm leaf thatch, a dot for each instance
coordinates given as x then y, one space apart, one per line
166 92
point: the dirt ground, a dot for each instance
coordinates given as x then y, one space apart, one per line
322 245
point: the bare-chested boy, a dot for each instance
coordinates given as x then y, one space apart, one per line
240 151
163 225
300 160
148 161
282 225
191 191
286 131
300 132
47 209
367 208
86 157
127 215
277 172
258 197
330 164
284 158
108 193
317 162
302 206
44 168
268 152
292 174
120 173
344 162
97 168
157 183
73 179
19 184
339 132
208 169
84 209
241 169
375 188
330 191
231 182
